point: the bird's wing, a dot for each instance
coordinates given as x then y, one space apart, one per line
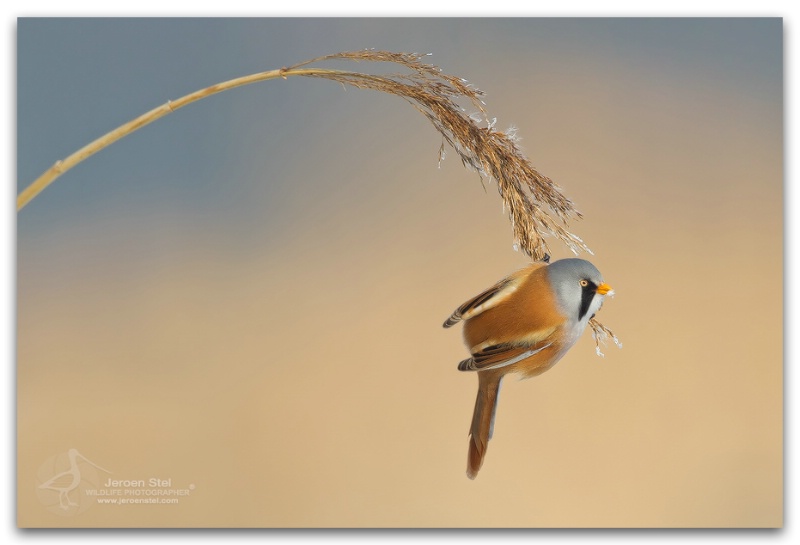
485 300
499 355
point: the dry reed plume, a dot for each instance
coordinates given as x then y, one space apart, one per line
535 204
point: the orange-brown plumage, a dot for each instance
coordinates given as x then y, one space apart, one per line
515 320
523 324
482 419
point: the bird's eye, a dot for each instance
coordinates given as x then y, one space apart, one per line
584 283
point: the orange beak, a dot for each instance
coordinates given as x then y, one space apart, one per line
604 288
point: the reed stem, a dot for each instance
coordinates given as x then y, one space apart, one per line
536 206
63 165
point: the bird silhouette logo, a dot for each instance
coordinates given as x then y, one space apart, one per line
62 480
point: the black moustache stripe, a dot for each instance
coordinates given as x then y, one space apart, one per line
587 295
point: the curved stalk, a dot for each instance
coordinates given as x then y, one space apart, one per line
63 165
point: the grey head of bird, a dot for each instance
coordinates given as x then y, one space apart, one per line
579 288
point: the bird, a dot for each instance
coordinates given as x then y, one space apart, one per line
523 324
67 481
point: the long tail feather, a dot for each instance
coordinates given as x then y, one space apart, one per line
482 421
